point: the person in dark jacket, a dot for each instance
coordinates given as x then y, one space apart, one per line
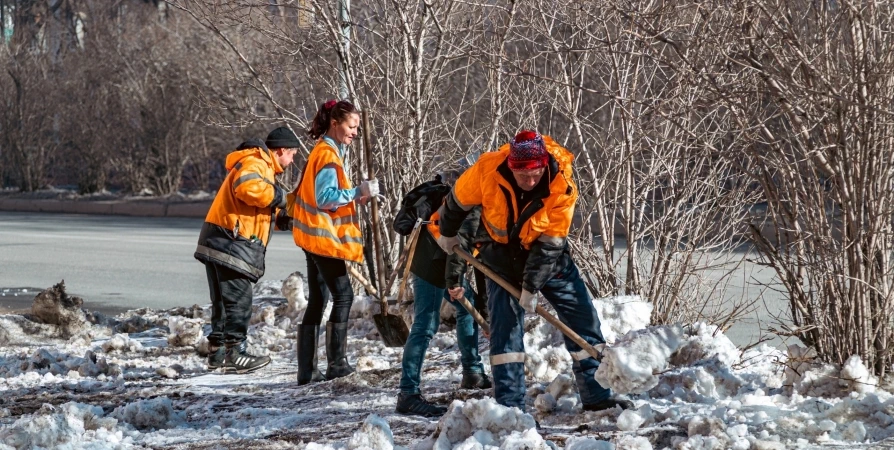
233 242
527 198
431 269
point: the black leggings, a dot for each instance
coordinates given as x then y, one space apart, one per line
327 277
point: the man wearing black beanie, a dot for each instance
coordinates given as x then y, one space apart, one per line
234 239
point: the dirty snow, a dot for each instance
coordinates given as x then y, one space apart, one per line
79 380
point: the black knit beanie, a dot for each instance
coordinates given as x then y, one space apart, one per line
282 137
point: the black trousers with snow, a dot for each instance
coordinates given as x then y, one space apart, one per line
327 278
230 305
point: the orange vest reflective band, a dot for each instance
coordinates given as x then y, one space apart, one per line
483 185
335 234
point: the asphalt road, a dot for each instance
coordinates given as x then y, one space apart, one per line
114 262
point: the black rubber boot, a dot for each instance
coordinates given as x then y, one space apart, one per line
308 336
415 405
608 404
336 351
475 381
238 359
217 357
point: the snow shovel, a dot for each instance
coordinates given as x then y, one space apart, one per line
516 292
392 328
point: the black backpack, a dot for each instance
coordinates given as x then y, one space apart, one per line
421 202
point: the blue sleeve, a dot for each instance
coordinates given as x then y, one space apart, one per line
329 196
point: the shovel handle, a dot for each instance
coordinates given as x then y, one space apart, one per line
403 258
366 284
411 251
475 314
374 211
516 292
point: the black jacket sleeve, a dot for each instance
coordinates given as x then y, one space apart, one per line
451 216
456 266
545 260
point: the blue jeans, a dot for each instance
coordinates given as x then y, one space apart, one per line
568 295
425 325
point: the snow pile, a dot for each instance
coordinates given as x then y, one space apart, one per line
631 365
151 414
121 343
294 291
484 423
559 396
705 342
53 306
375 434
622 314
545 354
265 315
856 377
71 425
184 331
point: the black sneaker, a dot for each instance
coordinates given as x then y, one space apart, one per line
415 405
238 360
609 403
217 358
475 381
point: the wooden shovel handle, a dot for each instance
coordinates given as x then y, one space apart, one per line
475 314
410 253
516 292
366 284
403 259
374 211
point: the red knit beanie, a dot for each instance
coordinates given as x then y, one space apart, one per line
527 151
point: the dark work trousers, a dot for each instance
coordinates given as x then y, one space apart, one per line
230 305
327 278
568 295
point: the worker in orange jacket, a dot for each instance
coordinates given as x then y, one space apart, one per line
234 239
326 227
527 198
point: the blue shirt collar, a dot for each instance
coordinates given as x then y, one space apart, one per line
340 147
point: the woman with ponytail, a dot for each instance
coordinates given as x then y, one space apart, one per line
326 227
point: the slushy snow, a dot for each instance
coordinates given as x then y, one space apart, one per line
139 380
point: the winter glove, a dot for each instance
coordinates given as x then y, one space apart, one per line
369 188
528 301
447 243
283 221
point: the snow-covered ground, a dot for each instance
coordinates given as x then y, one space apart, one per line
73 380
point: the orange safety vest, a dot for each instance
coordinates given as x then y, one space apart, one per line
481 185
335 234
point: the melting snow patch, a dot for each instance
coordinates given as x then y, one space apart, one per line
151 414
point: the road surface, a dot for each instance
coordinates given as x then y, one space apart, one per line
114 262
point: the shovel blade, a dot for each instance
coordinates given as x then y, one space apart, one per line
392 328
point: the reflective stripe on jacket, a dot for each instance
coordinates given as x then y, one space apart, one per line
336 233
238 224
482 184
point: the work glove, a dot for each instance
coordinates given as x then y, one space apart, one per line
369 188
447 243
283 221
528 301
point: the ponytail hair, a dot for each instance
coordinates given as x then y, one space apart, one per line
338 110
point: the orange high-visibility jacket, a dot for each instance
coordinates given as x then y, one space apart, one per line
238 224
336 233
481 185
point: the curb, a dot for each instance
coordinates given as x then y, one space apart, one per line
109 207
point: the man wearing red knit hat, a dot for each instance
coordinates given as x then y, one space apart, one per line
527 198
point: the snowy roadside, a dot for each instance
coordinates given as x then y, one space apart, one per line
138 381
